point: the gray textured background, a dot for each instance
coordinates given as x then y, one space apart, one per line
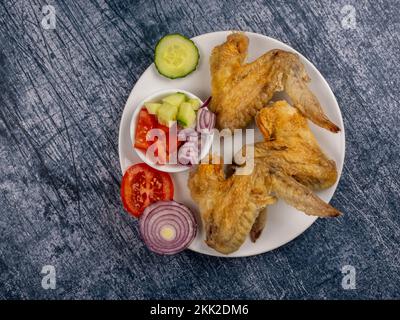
62 94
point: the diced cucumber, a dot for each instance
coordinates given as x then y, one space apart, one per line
175 99
152 107
176 56
167 113
195 104
186 115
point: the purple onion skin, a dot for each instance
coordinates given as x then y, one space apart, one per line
155 216
206 103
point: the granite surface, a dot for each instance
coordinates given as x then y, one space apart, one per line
62 93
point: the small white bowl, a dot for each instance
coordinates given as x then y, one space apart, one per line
156 97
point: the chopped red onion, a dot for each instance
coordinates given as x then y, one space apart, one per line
188 134
205 120
188 153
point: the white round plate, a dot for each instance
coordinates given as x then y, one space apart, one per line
284 222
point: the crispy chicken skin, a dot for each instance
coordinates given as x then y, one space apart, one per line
288 165
240 89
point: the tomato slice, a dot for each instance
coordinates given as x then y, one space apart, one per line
143 185
146 122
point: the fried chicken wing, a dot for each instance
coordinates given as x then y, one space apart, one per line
290 145
239 90
287 165
228 207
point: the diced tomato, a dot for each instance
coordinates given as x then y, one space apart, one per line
170 148
145 123
143 185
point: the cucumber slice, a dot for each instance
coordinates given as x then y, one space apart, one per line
167 113
176 56
152 107
175 99
195 104
186 115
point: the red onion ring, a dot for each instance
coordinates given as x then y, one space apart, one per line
172 215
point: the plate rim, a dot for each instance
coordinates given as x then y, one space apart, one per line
331 97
